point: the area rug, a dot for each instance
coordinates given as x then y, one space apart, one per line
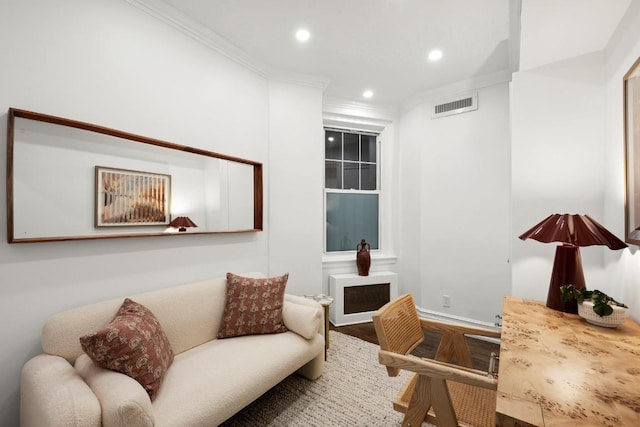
353 391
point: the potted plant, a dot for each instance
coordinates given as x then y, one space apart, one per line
609 312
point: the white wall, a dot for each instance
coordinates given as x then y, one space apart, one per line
296 150
455 182
108 63
412 128
557 159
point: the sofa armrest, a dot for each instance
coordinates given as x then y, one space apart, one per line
53 394
123 400
303 316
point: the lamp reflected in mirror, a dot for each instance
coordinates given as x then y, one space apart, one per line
182 223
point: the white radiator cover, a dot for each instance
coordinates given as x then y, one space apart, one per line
337 284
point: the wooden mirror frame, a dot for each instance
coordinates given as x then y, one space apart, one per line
631 94
29 115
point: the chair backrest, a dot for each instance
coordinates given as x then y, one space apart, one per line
438 392
398 327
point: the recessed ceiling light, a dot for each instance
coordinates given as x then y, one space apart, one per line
367 93
330 139
435 55
303 35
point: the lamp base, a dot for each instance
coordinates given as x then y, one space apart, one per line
567 270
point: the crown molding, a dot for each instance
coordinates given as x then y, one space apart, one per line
310 80
332 105
502 76
195 30
353 123
342 113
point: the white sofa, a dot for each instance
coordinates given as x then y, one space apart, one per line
209 380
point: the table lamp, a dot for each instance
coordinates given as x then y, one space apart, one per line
572 231
181 223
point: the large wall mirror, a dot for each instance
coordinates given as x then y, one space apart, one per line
70 180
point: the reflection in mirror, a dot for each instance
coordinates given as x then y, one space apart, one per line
54 191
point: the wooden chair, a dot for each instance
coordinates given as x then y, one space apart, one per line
438 392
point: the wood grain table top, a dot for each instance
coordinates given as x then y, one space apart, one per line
558 370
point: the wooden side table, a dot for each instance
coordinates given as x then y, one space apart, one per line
325 301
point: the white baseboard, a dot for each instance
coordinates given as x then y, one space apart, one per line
436 315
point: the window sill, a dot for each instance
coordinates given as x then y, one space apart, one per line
347 259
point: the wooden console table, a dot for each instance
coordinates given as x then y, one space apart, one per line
558 370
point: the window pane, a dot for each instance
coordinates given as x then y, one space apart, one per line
368 148
351 218
351 176
333 174
333 145
368 178
351 147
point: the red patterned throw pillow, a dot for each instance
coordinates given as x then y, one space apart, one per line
253 306
134 344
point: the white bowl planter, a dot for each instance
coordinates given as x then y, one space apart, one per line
585 310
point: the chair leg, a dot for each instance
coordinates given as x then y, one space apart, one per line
420 403
454 344
442 406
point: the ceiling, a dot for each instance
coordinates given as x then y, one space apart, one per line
553 30
382 45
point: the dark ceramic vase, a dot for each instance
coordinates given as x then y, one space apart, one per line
363 258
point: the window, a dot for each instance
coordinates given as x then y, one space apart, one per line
351 190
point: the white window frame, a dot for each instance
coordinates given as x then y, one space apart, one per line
377 191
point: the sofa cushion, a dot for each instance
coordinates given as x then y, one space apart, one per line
134 344
211 382
253 306
304 320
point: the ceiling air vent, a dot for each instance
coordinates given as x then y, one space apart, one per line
459 104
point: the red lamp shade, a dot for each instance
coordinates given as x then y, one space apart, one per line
572 231
181 223
577 230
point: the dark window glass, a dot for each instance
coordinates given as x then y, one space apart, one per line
333 145
351 176
368 145
333 174
359 153
351 146
368 176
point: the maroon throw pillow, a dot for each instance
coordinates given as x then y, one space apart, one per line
253 306
134 344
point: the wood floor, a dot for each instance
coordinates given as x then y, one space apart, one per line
480 350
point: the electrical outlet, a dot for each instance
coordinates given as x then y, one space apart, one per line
446 301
